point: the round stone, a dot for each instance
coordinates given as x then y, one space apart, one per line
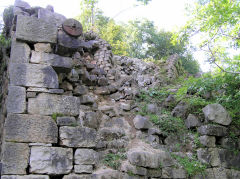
72 27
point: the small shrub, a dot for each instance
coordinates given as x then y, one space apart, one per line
55 115
114 160
192 166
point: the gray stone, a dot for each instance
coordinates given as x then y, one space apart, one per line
48 104
78 137
20 52
127 168
91 120
80 90
209 156
15 158
30 128
212 130
154 173
228 143
83 168
125 106
217 113
102 81
74 176
87 99
45 90
107 173
149 159
16 99
61 64
31 94
43 47
180 110
31 29
33 75
25 177
229 159
51 160
208 174
22 4
51 17
152 108
222 173
40 144
141 122
235 174
208 141
154 131
66 86
173 173
192 121
66 121
86 157
102 90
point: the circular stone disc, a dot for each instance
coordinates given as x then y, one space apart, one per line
72 27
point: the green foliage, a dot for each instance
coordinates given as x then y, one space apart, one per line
114 160
55 115
192 166
222 87
153 95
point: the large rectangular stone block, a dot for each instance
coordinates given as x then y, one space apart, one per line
25 177
33 75
16 99
58 62
30 128
78 137
51 160
31 29
15 158
48 104
20 52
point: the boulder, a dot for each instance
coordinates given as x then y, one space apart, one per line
192 121
212 130
217 113
141 122
15 158
78 137
51 160
222 173
80 90
48 104
30 128
86 157
16 99
208 141
33 30
128 168
20 52
173 173
209 156
59 63
32 75
229 159
152 108
51 17
180 110
91 120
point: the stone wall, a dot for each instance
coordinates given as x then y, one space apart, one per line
71 109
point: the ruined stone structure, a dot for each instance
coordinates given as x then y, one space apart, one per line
70 102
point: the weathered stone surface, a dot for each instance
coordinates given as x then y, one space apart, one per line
222 173
43 47
91 120
149 159
235 174
45 90
30 128
192 121
107 173
152 108
229 159
217 113
208 141
83 168
78 137
25 177
102 81
209 156
22 4
15 158
31 94
80 90
51 160
141 122
51 17
180 110
208 174
212 130
154 173
48 104
31 29
61 64
173 173
20 52
66 121
125 106
16 99
87 99
228 143
127 168
86 157
73 176
33 75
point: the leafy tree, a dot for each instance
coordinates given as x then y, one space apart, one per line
217 23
